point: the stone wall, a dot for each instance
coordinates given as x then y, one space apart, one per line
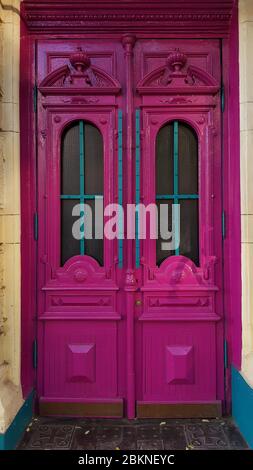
10 388
246 139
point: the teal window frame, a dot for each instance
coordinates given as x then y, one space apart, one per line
82 197
176 196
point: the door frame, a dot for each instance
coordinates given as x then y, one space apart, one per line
33 26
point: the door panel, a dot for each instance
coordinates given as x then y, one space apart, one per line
180 329
79 309
180 349
123 326
81 356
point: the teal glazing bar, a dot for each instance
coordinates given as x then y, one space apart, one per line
175 158
137 187
177 196
79 196
81 149
120 188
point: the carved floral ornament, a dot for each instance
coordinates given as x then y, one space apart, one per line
177 76
79 74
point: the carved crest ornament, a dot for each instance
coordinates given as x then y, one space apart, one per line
79 74
178 76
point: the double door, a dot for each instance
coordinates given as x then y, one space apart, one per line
130 318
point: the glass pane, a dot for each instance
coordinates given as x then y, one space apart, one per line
93 158
161 254
93 247
187 160
164 160
69 245
70 178
189 236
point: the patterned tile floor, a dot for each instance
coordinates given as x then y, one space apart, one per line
84 434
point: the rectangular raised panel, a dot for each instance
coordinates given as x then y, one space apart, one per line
80 360
78 302
179 364
104 59
55 54
156 59
151 55
179 361
179 302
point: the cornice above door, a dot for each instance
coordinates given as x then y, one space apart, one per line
179 18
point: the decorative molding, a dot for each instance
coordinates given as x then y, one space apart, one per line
189 16
80 76
78 271
130 280
177 77
179 271
176 301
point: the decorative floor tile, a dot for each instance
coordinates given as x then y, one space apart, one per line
50 437
206 436
151 434
173 437
150 444
84 437
123 438
109 433
148 432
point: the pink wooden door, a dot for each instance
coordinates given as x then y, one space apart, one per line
179 339
124 326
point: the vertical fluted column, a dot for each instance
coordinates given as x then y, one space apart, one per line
128 42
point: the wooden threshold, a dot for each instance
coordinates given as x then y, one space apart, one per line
179 410
87 409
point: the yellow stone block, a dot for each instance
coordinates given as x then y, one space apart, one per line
243 62
11 167
10 228
245 10
246 116
12 308
7 59
246 164
9 116
246 63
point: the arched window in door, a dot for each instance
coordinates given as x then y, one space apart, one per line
177 183
82 182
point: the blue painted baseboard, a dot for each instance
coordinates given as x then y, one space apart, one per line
242 406
13 434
